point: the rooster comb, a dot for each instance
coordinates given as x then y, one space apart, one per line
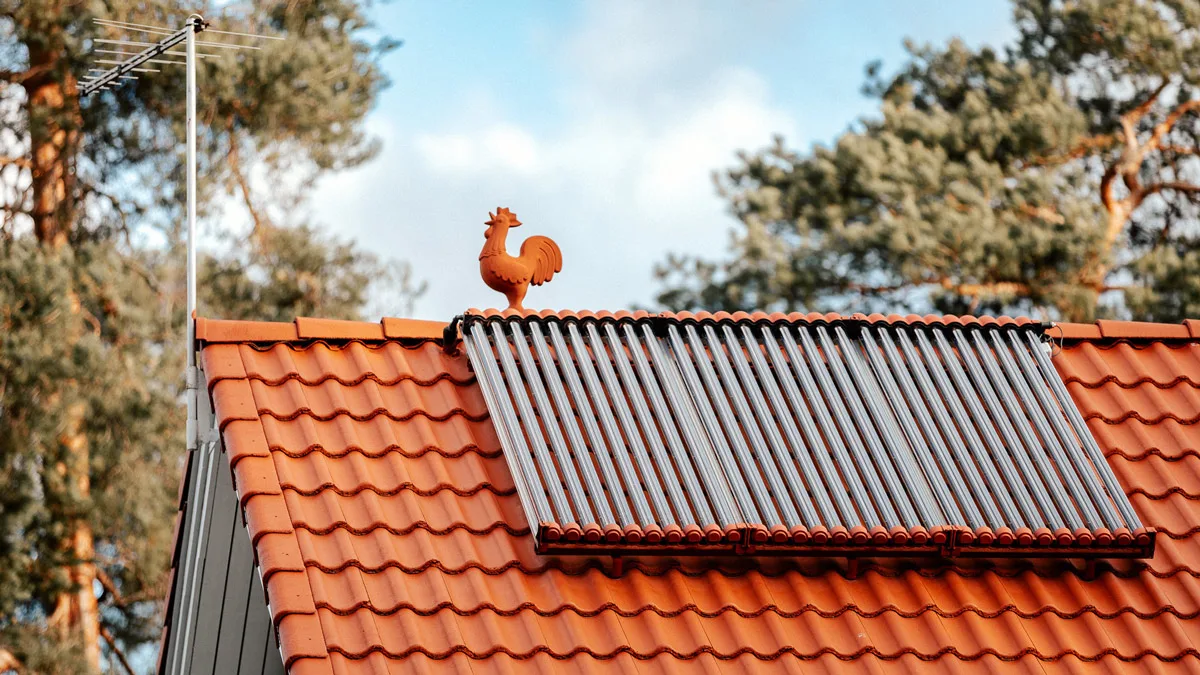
503 216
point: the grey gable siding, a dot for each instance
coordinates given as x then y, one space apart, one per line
232 632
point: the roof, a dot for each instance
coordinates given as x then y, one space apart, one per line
390 537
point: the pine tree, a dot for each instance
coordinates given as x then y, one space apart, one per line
91 285
1058 177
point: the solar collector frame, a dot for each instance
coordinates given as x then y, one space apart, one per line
646 434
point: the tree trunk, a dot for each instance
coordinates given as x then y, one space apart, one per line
76 610
52 107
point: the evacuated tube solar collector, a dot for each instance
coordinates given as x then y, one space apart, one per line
802 435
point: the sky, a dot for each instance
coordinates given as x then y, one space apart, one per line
601 124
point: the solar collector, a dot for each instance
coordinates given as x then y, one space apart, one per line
826 433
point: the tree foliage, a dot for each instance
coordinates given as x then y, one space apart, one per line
298 271
91 284
1057 177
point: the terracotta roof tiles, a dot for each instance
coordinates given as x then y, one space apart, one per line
389 535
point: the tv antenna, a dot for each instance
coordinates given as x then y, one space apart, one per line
165 53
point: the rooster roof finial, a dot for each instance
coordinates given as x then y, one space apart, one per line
540 258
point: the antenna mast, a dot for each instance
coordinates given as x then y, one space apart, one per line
160 53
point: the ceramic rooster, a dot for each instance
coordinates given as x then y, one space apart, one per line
539 259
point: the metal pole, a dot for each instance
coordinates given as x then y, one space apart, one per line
192 375
195 22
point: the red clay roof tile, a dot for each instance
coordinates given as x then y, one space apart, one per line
1115 402
1108 330
412 329
318 667
279 552
1137 330
289 593
255 476
233 400
266 514
387 526
223 362
301 637
245 438
308 328
1075 331
213 331
1154 476
1125 364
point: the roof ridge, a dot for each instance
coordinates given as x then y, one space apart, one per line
303 329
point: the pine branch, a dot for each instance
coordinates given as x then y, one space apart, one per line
1163 128
1082 149
1176 186
235 165
993 288
107 582
1046 213
1130 163
90 189
990 289
23 76
112 644
1134 154
1179 150
22 162
1144 107
1107 183
860 288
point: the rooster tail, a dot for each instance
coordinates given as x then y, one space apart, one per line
543 256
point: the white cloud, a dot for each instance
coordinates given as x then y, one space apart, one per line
626 48
622 178
500 147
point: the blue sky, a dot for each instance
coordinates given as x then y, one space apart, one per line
600 125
